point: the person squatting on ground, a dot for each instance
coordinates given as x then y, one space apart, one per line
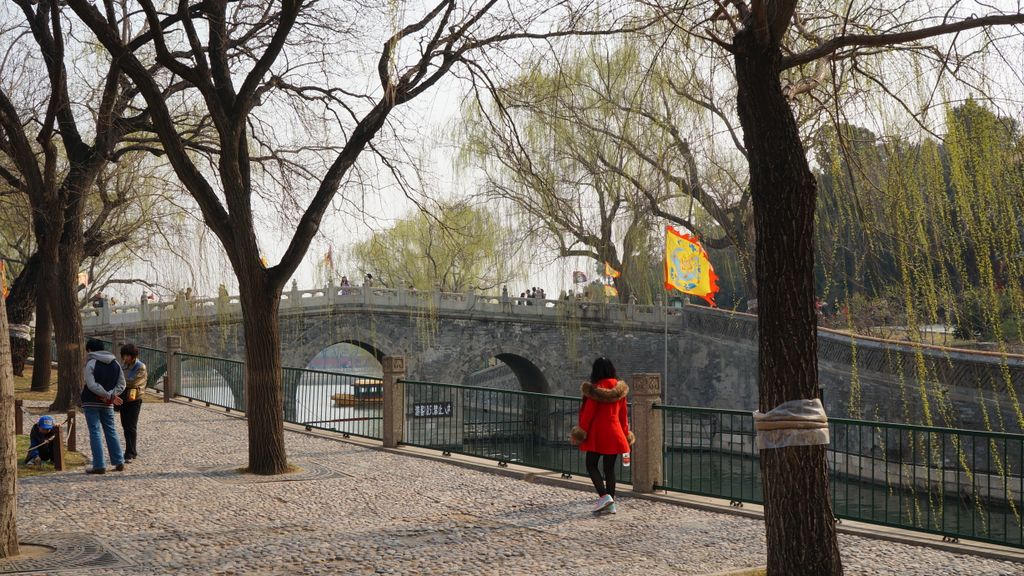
104 382
135 376
40 442
603 430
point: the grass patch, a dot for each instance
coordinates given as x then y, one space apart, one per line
72 460
23 387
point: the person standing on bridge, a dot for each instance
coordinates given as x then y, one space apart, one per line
135 376
603 430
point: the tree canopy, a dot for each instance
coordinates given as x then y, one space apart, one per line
458 247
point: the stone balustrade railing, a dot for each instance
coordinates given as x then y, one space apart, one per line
948 365
382 298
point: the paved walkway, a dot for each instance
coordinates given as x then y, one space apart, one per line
363 511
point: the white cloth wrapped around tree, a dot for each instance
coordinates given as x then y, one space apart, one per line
21 331
793 423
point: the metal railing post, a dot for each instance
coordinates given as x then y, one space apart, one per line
394 400
645 389
173 349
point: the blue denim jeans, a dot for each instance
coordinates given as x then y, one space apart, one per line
101 424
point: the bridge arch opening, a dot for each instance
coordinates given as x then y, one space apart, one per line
351 357
508 371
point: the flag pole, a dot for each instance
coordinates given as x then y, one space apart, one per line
665 311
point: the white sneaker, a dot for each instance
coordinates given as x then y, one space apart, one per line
602 503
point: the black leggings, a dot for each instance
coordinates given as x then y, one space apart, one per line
130 423
606 485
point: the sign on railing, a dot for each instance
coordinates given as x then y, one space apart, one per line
432 410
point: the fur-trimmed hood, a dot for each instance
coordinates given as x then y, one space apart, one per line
618 392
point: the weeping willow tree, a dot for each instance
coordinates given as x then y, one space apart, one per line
456 248
921 240
599 143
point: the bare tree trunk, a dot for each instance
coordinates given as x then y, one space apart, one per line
48 250
264 397
67 319
21 302
798 515
8 450
41 345
49 261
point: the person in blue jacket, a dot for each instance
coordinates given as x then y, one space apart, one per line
41 441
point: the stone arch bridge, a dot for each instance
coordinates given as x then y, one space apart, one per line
549 344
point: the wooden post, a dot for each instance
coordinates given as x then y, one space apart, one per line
72 432
394 400
58 449
647 427
173 349
19 418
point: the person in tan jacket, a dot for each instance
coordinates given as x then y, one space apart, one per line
135 375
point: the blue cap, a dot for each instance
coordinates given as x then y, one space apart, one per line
46 423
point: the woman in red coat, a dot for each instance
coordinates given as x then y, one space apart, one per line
603 430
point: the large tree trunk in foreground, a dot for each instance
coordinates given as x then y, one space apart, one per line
67 319
264 399
798 514
8 450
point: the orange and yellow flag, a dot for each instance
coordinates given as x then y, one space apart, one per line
611 272
687 267
3 279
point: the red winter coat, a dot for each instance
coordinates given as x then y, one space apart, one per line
604 423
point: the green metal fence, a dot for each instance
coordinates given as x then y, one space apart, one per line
956 483
156 364
213 381
347 403
507 426
711 453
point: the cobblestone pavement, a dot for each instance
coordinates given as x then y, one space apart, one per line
362 511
